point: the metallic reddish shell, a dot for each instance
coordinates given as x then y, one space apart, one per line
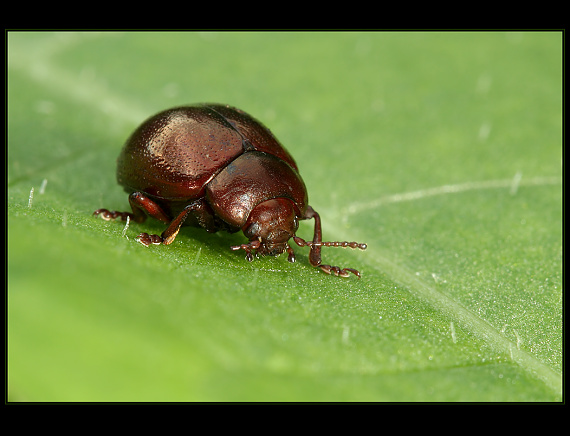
174 154
256 133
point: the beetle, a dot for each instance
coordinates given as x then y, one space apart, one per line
216 167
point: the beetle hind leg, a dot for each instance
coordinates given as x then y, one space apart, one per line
140 205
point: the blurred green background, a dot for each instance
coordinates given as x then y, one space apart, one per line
441 150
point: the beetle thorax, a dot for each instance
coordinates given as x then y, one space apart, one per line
273 223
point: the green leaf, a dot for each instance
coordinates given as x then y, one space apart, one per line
441 151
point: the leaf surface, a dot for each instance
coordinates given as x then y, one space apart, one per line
441 151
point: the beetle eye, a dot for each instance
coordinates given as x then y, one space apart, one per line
252 230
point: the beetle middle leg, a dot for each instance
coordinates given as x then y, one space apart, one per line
201 212
143 206
317 243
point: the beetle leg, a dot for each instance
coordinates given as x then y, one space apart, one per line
204 216
146 239
335 270
291 257
109 215
197 209
248 248
141 207
315 253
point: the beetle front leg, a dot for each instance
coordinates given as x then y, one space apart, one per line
335 270
248 248
315 253
291 256
329 269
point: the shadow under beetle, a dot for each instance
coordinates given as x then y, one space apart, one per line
216 167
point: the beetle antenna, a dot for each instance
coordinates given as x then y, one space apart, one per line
302 243
317 243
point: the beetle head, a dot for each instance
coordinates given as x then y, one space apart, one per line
272 223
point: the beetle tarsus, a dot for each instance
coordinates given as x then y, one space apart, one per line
109 215
146 239
337 271
333 270
248 248
317 242
291 256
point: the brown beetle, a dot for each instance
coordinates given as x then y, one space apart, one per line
216 167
